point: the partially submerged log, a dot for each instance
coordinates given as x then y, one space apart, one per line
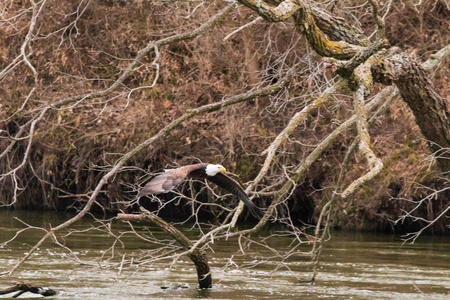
22 287
197 256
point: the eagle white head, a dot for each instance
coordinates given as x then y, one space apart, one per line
212 170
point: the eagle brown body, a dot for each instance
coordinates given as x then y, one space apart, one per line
168 180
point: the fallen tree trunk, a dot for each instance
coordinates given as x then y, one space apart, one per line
197 256
21 288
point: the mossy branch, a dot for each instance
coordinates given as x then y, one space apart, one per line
304 21
294 122
381 26
279 13
338 29
346 69
365 84
301 169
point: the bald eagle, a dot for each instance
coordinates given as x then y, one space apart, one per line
168 180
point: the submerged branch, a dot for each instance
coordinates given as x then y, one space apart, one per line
198 256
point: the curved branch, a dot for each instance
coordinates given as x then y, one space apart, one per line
304 21
338 29
198 256
282 12
295 121
365 81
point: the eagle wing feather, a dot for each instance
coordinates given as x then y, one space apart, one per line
234 187
167 181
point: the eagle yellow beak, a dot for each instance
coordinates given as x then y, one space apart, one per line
223 170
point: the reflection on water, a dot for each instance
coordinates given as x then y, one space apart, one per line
354 266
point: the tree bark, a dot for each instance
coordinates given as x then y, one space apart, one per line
418 91
200 261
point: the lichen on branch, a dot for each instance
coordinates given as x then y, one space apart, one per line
304 22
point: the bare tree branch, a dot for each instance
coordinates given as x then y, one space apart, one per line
163 132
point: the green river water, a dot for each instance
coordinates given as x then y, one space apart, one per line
354 266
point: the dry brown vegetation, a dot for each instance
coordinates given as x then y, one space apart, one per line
82 47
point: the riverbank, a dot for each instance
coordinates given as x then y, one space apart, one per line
353 265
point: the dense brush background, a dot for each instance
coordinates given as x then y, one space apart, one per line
74 145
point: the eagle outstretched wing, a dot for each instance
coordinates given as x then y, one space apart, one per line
234 187
168 180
